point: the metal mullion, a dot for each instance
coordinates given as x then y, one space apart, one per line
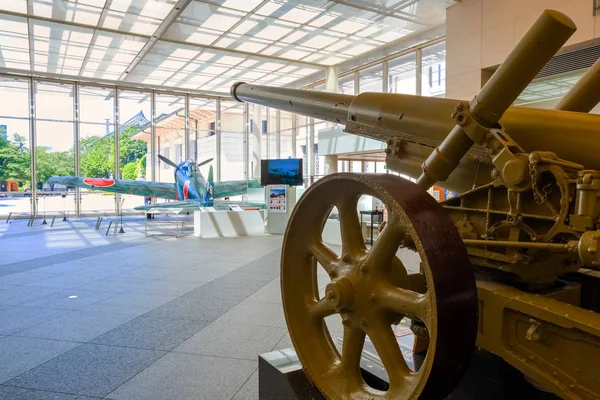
153 148
116 123
384 77
294 134
278 134
76 137
268 132
218 141
32 148
419 71
245 140
186 137
356 83
311 150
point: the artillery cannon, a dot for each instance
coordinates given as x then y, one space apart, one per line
509 265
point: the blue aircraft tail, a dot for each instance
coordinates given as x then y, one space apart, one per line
208 197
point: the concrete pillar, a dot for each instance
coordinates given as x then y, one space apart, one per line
331 79
331 164
331 85
254 139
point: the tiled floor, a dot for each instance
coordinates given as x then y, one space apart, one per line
88 316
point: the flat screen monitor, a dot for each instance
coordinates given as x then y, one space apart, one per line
283 171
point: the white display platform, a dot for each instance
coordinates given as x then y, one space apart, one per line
229 223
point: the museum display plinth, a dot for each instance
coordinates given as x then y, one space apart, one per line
280 377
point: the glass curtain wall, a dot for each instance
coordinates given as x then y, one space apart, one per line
96 145
203 133
302 145
371 79
272 127
402 74
135 163
433 67
15 155
54 141
233 141
346 84
286 136
170 133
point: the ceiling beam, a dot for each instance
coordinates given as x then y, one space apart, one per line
147 37
70 79
164 26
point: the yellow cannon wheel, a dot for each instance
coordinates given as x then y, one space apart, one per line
370 294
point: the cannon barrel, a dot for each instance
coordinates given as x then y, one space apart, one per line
427 121
330 107
549 33
585 94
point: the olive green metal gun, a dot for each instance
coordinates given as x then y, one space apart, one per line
525 279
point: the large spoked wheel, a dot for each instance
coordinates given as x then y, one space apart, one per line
371 291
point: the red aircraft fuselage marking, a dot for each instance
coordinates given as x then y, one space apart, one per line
186 188
99 182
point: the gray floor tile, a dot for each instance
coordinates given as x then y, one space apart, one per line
270 293
90 370
77 326
143 286
147 273
15 319
250 389
243 341
284 343
262 314
70 299
18 295
195 306
196 275
12 393
43 395
130 303
22 354
151 333
23 278
187 376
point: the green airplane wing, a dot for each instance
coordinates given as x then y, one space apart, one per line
234 188
138 188
187 205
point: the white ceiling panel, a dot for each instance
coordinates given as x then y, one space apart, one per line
207 43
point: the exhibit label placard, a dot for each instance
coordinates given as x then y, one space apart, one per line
277 198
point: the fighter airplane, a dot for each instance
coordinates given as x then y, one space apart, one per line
190 190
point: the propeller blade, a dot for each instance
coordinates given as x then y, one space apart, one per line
167 161
205 162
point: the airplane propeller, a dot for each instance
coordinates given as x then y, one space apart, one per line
205 162
167 161
172 164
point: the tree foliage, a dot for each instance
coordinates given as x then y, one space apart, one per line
15 160
96 155
130 171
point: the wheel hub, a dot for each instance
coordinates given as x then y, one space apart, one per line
340 293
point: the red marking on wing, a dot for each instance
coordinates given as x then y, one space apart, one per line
99 182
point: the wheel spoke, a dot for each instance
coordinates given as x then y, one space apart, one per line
353 241
384 249
354 340
405 302
324 255
388 349
322 308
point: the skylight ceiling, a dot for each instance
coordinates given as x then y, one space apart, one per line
201 44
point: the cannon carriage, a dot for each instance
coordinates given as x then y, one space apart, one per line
510 265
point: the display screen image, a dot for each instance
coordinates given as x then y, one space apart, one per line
285 171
